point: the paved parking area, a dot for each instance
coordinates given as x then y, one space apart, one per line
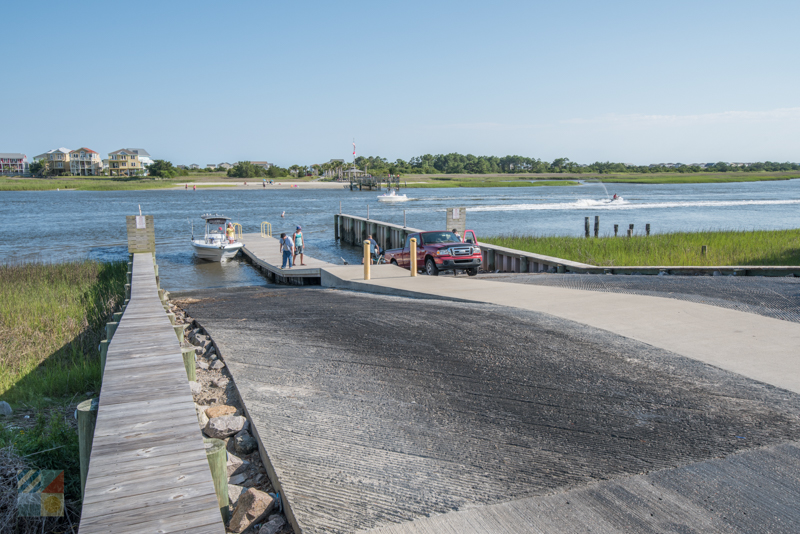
769 296
383 412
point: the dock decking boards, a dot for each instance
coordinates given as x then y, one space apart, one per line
148 470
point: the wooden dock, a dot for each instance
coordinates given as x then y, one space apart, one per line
265 254
148 470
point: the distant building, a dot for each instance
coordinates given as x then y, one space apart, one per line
85 162
124 162
211 166
57 160
194 166
263 164
13 163
225 166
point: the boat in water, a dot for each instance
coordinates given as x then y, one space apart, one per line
392 196
215 244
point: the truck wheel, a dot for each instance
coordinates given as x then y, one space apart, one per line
431 268
473 271
394 262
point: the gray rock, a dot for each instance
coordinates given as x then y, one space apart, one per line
5 408
245 443
237 466
217 365
227 425
238 479
196 388
220 382
198 350
234 492
202 365
210 351
273 526
202 418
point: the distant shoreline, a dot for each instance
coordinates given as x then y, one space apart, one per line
101 183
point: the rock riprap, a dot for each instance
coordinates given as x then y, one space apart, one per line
253 505
222 427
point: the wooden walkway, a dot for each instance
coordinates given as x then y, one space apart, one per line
148 470
265 254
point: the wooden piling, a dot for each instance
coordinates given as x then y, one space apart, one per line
103 355
179 329
703 250
647 229
367 259
87 418
188 361
586 226
110 329
616 229
630 232
596 225
218 462
630 227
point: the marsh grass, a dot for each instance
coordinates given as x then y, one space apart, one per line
725 248
84 184
52 318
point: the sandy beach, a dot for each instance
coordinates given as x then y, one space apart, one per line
257 185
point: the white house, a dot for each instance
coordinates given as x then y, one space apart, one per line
225 166
13 163
194 166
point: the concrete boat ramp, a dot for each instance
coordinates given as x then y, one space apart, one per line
493 407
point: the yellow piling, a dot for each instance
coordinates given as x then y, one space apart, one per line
366 259
413 256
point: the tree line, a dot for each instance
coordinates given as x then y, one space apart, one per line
469 164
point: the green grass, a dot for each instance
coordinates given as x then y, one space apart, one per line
52 317
437 184
638 178
725 248
84 184
720 178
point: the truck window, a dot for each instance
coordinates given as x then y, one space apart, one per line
408 240
430 238
469 237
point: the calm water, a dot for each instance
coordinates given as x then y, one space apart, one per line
61 225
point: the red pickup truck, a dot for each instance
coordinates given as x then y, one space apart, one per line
440 251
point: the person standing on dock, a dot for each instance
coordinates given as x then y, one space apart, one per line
286 247
298 245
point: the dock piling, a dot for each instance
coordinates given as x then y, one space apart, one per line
616 229
218 462
413 256
596 225
703 250
87 418
647 229
367 259
586 226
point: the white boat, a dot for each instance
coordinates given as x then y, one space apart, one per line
392 196
215 246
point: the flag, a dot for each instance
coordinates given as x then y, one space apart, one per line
354 148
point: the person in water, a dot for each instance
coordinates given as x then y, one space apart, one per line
615 197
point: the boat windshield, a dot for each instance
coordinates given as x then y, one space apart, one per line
430 238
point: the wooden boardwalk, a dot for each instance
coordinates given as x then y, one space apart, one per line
265 254
148 470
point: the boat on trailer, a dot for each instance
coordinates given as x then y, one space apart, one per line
215 245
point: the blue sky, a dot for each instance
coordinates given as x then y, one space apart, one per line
294 82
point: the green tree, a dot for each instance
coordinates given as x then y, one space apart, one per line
245 169
38 168
162 169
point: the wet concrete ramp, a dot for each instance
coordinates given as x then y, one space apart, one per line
391 413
